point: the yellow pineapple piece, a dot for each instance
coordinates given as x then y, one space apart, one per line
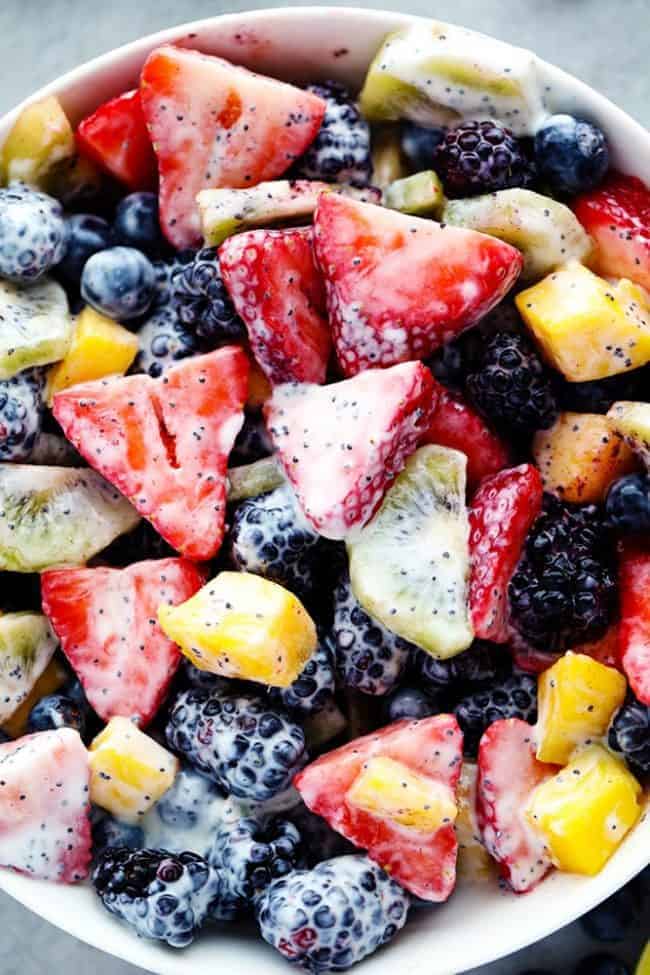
51 680
391 790
577 698
587 327
100 347
40 138
580 456
241 625
474 861
585 811
129 771
632 422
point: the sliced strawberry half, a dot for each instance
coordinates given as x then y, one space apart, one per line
44 806
398 287
455 424
277 289
164 443
617 216
115 137
214 124
107 622
508 771
341 445
502 512
423 863
634 626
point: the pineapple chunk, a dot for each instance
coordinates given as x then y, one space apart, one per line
40 138
100 347
388 162
580 456
241 625
632 422
585 811
51 680
587 327
389 789
129 771
577 698
474 861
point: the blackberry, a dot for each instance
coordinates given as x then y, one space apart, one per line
21 414
482 664
340 153
164 272
119 282
56 711
328 918
182 805
320 841
187 816
409 702
312 689
202 301
481 157
249 749
163 341
111 834
163 896
563 590
571 154
250 855
419 145
516 697
33 233
252 443
511 387
627 504
630 734
368 656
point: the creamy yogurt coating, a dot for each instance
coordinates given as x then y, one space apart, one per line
436 73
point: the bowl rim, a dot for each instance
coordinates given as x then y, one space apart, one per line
601 886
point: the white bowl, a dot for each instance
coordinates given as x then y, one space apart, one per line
480 923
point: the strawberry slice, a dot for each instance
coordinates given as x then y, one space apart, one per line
164 443
115 137
424 863
634 626
398 287
341 445
507 774
214 124
106 620
44 825
502 512
455 424
277 290
617 215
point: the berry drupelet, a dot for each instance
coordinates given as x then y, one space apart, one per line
516 697
340 153
481 157
163 341
627 505
202 302
33 233
481 665
21 413
313 688
630 734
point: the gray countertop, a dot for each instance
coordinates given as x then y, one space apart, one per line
604 43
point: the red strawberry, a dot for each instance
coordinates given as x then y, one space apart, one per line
502 511
398 287
341 445
455 424
278 291
107 622
44 825
507 774
164 443
115 137
617 215
634 627
423 863
214 124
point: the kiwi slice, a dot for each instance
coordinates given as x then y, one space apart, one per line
260 477
41 138
420 194
36 325
27 644
409 566
55 516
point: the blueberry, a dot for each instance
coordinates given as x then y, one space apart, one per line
87 234
571 154
409 702
33 233
56 711
612 920
602 964
628 503
419 144
119 282
136 224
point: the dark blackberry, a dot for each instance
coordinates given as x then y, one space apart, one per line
249 749
164 272
368 656
142 543
111 834
250 855
627 504
563 590
21 414
419 145
161 895
33 233
453 362
511 386
320 841
572 154
481 157
481 665
340 153
252 443
516 697
328 918
630 734
202 302
409 702
163 341
56 711
312 689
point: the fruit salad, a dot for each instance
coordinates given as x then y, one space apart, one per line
324 494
